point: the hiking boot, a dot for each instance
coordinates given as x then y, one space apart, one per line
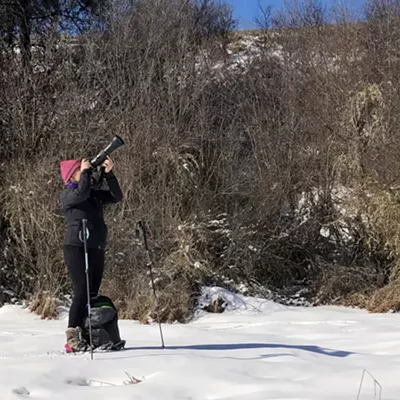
75 340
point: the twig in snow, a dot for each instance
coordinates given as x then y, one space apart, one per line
132 380
376 385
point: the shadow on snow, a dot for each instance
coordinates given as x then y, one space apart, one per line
249 346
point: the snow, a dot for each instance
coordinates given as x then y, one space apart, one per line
325 232
255 350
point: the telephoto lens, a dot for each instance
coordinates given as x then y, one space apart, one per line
102 156
96 162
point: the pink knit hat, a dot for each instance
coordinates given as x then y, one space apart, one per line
68 168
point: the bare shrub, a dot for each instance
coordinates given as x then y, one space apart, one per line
346 285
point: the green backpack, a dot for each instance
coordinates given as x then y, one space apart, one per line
104 323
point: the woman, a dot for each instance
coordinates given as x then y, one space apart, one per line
81 201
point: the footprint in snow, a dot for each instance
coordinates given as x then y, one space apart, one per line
77 382
23 334
89 382
21 391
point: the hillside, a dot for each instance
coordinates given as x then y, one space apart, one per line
265 162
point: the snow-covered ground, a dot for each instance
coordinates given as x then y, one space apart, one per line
256 350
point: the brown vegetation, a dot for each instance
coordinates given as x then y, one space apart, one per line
277 169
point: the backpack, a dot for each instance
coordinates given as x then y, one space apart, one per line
104 322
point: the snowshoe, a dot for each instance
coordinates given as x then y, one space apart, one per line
118 346
100 349
110 346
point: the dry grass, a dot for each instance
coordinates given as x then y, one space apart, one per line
176 301
386 299
45 305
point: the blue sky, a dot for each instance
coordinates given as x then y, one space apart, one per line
245 10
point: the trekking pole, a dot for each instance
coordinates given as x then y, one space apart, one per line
141 234
85 237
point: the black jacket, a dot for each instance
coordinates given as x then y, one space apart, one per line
84 202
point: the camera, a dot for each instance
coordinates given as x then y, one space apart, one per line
96 162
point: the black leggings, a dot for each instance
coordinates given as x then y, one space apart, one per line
74 257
